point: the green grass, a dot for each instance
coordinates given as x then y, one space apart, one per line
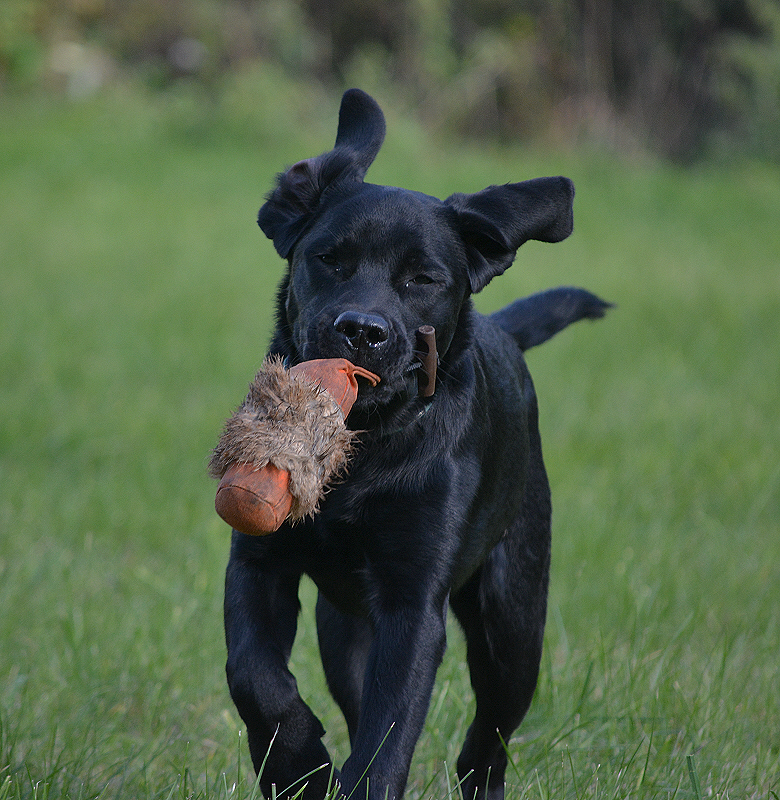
136 304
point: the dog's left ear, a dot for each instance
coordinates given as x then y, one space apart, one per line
497 220
300 190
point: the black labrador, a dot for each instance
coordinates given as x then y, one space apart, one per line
446 503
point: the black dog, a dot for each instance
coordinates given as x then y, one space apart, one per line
446 503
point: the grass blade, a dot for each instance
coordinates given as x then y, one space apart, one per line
365 771
694 776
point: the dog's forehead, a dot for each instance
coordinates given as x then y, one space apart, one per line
373 210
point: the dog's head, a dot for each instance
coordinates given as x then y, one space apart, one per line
369 264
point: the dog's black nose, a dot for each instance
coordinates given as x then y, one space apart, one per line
362 329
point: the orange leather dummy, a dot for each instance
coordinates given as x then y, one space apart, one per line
257 501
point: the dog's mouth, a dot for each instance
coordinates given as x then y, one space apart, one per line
386 405
423 365
417 378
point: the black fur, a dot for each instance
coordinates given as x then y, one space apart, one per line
446 503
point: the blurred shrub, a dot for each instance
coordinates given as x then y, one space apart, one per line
22 51
683 78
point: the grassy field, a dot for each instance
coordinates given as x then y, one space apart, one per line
136 294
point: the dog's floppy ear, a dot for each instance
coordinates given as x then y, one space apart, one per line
299 191
497 220
361 130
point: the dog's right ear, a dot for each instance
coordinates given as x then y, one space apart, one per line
495 222
300 190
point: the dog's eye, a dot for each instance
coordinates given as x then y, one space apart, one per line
420 280
328 258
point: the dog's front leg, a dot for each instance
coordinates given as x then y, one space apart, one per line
261 609
408 646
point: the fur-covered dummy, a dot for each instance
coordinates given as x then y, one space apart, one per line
285 443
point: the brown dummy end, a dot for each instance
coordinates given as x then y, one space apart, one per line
285 442
254 501
426 350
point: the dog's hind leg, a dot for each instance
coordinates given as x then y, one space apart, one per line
344 642
502 611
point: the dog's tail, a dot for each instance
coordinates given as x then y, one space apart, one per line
534 319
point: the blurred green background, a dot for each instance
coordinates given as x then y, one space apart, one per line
683 78
137 140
